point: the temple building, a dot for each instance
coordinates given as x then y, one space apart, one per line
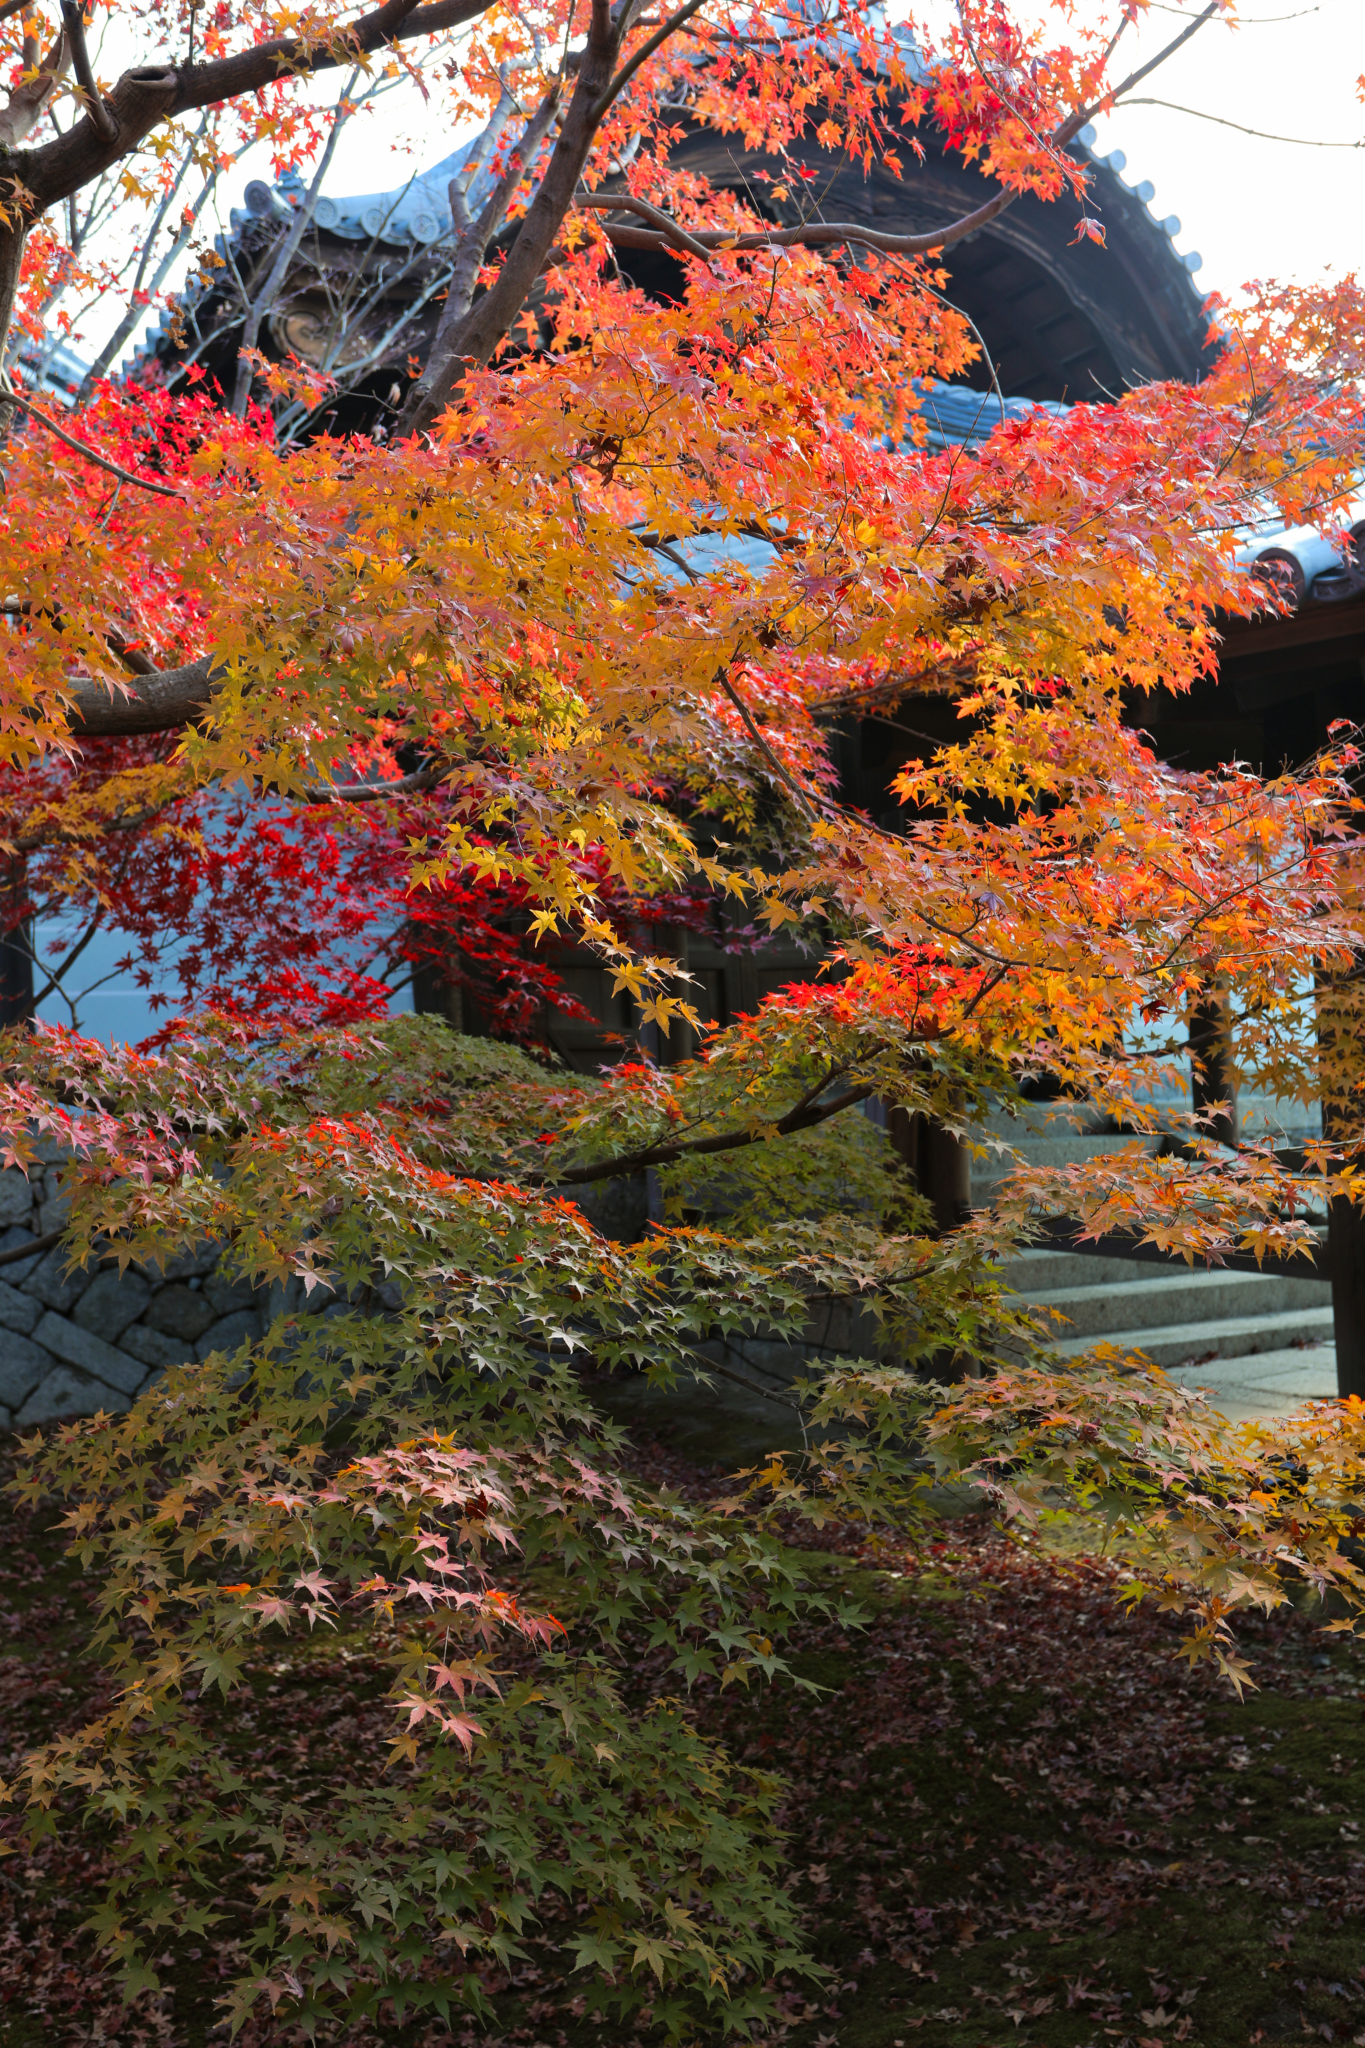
1062 322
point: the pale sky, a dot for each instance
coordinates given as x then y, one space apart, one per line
1291 210
1251 208
1254 208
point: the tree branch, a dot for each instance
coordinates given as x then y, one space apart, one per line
1261 134
756 736
122 821
126 476
812 234
815 234
35 1244
285 250
159 702
475 338
797 1119
895 688
643 55
622 202
471 249
30 99
1153 63
375 792
155 92
73 21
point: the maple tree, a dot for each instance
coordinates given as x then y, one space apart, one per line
474 654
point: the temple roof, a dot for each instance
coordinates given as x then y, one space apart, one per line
1060 320
418 210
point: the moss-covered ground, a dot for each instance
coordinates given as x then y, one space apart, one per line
1014 1816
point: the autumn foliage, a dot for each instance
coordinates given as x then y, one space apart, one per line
323 711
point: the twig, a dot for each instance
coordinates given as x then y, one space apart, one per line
622 202
101 120
374 792
36 1244
126 476
1261 134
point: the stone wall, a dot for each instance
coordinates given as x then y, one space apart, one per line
76 1341
72 1342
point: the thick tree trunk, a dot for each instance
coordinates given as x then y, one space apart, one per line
435 994
12 240
16 932
940 1163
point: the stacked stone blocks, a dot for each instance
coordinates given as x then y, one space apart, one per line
76 1341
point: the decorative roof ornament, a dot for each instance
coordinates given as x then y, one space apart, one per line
1117 163
417 211
1302 566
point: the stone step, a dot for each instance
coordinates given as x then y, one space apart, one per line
1039 1272
1266 1385
1200 1341
1058 1143
1051 1150
1181 1297
1257 1115
1309 1370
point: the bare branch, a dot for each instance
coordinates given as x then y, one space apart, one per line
375 792
813 234
263 300
73 21
1261 134
179 241
756 736
1153 63
622 202
160 702
472 247
476 336
49 1237
155 92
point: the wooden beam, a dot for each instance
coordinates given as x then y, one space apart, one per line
1343 620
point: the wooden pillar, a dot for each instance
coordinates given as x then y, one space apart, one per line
940 1163
434 994
1341 1046
941 1167
16 947
1213 1078
1346 1257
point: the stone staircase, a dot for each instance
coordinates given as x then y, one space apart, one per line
1175 1317
1260 1343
